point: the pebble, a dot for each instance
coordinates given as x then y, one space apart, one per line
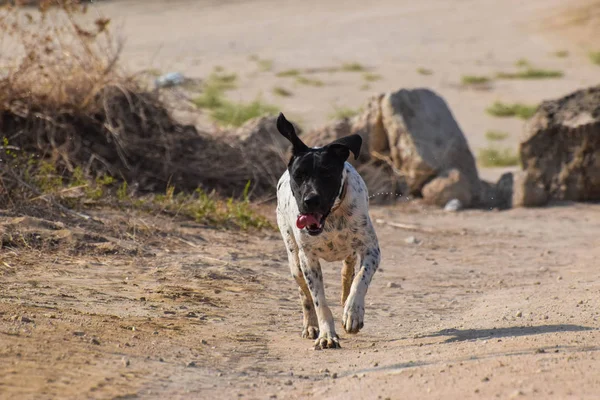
52 316
203 341
289 382
393 285
78 333
519 314
453 205
334 375
26 320
125 362
95 341
191 364
411 240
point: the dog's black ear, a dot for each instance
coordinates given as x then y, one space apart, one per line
346 145
286 128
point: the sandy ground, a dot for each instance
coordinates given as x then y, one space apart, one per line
479 305
391 38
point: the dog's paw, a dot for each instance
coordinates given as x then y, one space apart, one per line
327 341
310 332
354 313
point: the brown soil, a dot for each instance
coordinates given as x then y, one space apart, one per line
479 305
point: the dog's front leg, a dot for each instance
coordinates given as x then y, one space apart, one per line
354 309
311 269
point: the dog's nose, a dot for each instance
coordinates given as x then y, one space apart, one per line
311 200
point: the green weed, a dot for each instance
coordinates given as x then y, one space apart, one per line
283 92
496 136
523 111
474 80
492 157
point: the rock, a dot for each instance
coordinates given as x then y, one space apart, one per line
125 362
170 79
95 341
519 314
424 138
451 185
412 240
393 285
26 320
191 364
527 192
453 205
561 149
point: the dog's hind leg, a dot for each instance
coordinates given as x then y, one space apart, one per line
347 276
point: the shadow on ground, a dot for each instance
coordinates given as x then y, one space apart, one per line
459 335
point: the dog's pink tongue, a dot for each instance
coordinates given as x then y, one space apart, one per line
305 220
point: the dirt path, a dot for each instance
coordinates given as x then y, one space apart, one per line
485 305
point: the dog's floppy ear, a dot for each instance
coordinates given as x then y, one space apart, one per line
286 128
347 144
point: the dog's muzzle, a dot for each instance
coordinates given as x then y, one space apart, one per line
313 223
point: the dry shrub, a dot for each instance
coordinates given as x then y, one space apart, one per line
64 99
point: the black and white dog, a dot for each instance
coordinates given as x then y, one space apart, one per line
322 213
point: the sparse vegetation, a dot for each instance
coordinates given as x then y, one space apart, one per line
236 114
424 71
208 208
522 63
492 157
353 67
264 65
343 112
371 77
523 111
281 91
96 132
594 57
474 80
222 81
496 136
303 80
288 73
224 111
527 71
561 54
531 73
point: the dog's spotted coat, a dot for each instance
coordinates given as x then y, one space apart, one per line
348 235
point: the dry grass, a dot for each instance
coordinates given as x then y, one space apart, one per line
468 80
424 71
353 67
281 91
594 57
75 125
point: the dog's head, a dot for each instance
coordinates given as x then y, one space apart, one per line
316 175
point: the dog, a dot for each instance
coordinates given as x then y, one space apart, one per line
322 213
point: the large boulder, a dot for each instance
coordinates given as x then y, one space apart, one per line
561 151
425 140
412 137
